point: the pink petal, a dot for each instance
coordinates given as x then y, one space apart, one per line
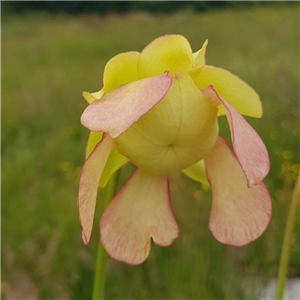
141 210
248 146
239 214
88 185
117 110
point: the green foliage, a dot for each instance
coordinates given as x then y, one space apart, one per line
47 61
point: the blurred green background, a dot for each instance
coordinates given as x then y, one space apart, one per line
48 58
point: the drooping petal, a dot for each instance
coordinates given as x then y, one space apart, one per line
91 97
141 210
233 89
239 214
88 185
119 70
197 172
171 53
247 144
119 109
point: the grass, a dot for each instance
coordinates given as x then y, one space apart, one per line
47 61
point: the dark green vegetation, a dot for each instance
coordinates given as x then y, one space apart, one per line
103 7
47 60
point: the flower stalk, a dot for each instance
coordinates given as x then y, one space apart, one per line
100 268
286 246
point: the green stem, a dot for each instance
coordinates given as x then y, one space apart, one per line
100 276
286 246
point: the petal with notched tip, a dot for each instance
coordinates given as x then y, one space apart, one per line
141 210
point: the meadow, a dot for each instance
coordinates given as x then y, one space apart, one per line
47 61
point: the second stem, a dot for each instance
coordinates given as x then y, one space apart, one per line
100 274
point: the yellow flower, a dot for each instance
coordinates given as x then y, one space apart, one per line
159 109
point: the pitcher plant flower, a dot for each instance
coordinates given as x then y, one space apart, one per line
159 109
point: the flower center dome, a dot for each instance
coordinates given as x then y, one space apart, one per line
175 133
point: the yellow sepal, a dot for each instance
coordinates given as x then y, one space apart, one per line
90 97
119 70
171 53
198 60
234 90
197 172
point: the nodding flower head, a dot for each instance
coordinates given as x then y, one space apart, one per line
159 109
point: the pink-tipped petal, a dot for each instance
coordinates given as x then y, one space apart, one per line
117 110
88 185
239 214
141 210
247 144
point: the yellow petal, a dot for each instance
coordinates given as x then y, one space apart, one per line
119 70
90 97
167 53
238 93
197 172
